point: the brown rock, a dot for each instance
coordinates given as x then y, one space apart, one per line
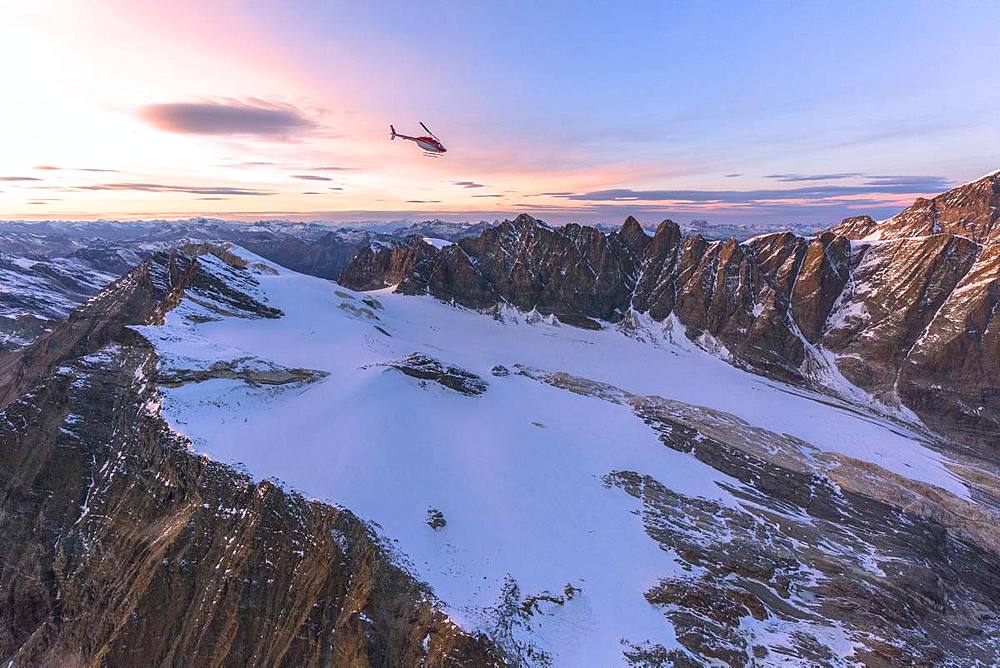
896 288
971 210
824 272
951 376
374 267
892 313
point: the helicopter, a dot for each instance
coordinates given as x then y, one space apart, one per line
430 143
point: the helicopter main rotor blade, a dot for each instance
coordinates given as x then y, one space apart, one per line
428 130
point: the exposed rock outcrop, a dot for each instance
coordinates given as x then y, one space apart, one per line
951 375
423 367
895 291
250 370
376 267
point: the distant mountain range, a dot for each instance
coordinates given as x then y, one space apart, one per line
72 260
721 231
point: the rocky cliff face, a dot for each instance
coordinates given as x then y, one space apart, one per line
112 248
971 211
118 546
904 309
378 266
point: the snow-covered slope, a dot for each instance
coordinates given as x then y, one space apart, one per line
37 292
518 504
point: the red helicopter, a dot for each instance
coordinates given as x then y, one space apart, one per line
431 144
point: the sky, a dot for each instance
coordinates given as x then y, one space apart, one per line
730 112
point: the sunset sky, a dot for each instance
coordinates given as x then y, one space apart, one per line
570 111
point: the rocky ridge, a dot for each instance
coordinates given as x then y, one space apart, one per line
909 317
971 210
121 547
37 290
424 368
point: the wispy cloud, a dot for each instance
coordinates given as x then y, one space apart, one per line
423 201
468 184
18 178
926 183
253 118
311 177
487 195
895 183
167 188
54 168
331 168
733 176
875 186
796 178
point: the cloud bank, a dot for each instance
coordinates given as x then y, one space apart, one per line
257 118
875 185
167 188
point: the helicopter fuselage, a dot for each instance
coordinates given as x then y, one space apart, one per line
429 144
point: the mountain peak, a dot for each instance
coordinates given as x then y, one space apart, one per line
971 210
666 225
632 229
632 234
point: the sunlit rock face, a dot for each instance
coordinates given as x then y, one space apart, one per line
903 309
971 211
